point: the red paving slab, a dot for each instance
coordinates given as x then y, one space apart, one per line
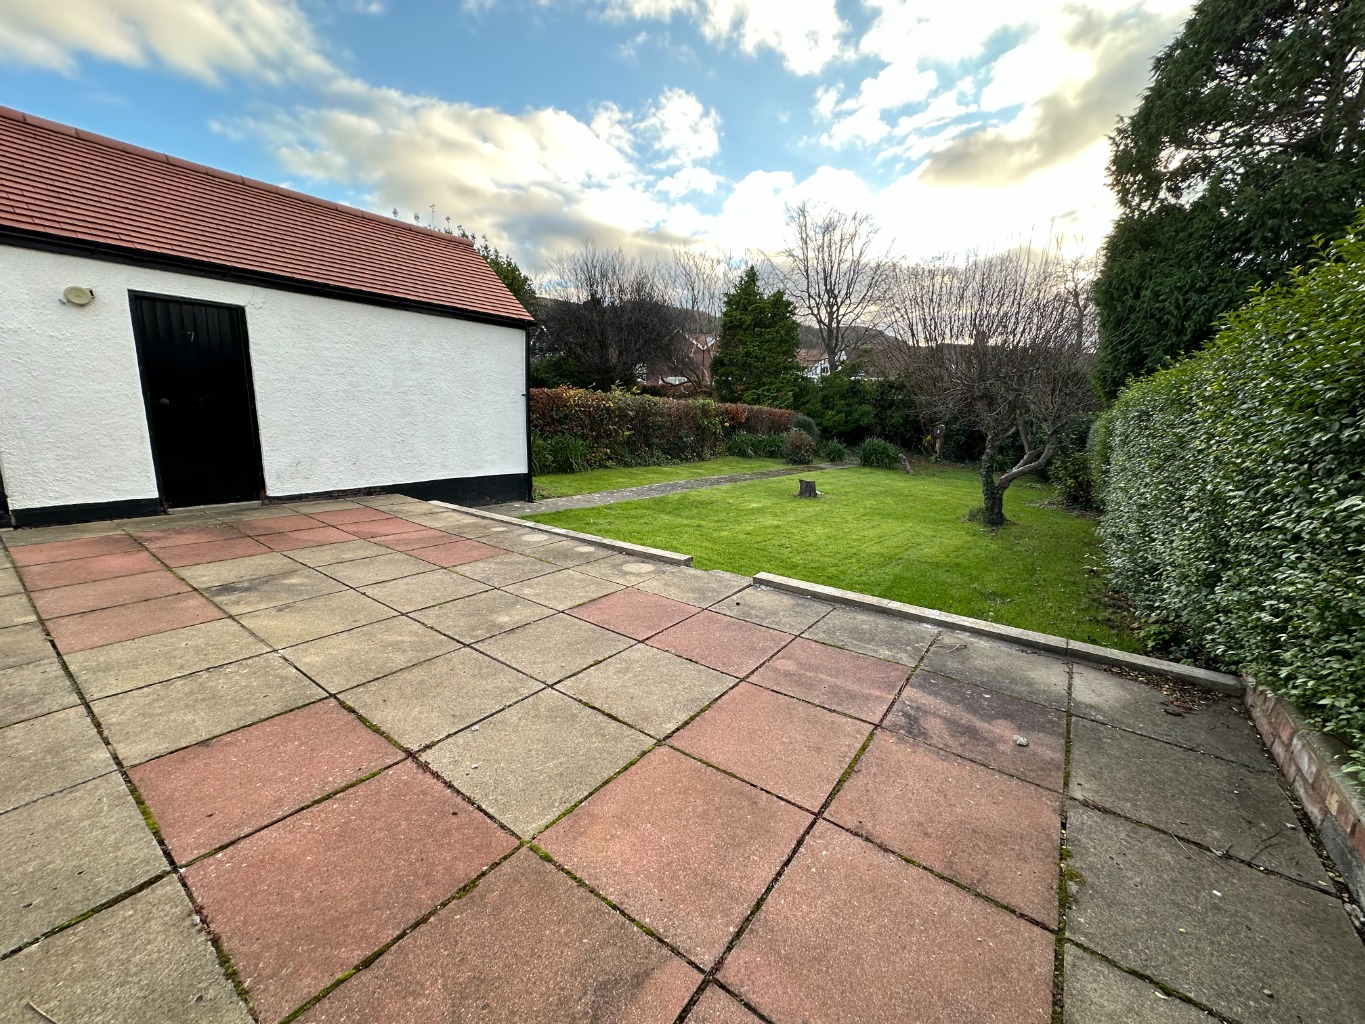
341 516
680 847
424 537
851 933
716 1006
852 683
372 528
634 613
981 725
789 748
207 795
211 551
304 900
69 572
461 552
296 539
87 597
158 540
81 632
276 524
527 946
996 834
728 645
65 550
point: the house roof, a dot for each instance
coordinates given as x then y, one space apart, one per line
62 183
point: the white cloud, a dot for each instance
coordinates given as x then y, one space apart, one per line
681 129
688 180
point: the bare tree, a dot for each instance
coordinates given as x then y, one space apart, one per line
700 279
834 272
999 343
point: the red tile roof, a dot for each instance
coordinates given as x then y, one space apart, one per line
60 181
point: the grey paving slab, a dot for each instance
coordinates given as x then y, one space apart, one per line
37 688
146 723
1020 673
235 570
52 534
288 624
555 647
67 854
528 764
364 571
15 610
1219 725
502 570
348 659
1096 993
322 505
651 689
142 961
411 593
9 582
1220 932
564 589
525 541
20 645
774 609
880 636
571 553
696 587
44 755
471 619
1221 804
331 554
626 569
447 519
428 702
252 595
115 668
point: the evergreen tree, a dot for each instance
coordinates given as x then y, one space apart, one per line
1249 144
755 359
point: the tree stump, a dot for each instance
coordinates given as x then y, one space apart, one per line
807 489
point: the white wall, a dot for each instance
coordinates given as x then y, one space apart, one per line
347 395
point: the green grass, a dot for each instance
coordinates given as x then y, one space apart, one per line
561 485
891 535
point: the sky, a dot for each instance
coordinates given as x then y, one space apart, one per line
958 125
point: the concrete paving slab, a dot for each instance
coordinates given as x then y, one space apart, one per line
502 570
51 534
1233 808
851 933
211 551
428 702
334 510
783 745
105 626
457 552
1011 670
564 589
1220 932
423 537
154 720
1097 993
251 595
1218 725
388 526
236 570
997 835
363 571
297 539
716 1006
37 688
787 612
528 764
214 792
331 554
476 618
88 597
555 647
108 543
695 587
68 853
9 582
634 613
721 642
20 645
47 754
682 848
571 553
143 961
982 725
648 688
348 659
627 570
305 900
16 610
878 636
412 593
484 958
279 523
841 680
159 540
286 625
151 659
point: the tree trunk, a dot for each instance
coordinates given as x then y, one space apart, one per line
992 495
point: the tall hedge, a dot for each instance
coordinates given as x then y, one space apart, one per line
1235 492
617 428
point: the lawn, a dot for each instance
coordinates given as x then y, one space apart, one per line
884 533
560 485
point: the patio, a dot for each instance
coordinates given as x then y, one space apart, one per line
382 761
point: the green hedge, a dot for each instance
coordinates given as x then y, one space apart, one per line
1235 491
574 429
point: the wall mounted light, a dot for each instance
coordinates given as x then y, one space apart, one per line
75 295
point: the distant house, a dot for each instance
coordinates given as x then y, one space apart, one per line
175 335
687 371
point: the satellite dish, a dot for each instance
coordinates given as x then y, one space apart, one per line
78 296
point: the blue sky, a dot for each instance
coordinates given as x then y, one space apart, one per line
641 123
